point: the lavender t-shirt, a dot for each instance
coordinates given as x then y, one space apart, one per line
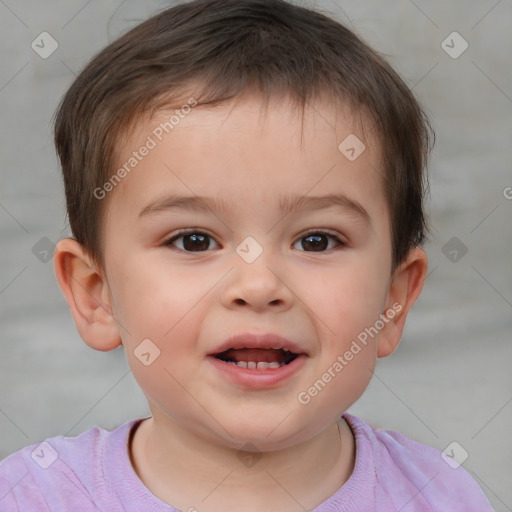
93 472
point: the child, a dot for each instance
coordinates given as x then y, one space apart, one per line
244 183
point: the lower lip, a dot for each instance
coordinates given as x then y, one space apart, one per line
258 378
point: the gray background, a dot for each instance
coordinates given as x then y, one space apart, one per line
450 379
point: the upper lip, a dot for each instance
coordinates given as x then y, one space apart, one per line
263 341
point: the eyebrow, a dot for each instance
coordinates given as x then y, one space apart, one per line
286 205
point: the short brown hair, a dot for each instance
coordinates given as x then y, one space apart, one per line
229 47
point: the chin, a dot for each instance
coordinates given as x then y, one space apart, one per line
266 432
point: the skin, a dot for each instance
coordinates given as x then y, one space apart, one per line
187 303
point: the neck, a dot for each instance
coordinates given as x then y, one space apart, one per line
188 472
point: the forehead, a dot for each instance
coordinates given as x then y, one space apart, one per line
245 149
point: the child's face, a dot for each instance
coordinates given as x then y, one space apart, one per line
189 297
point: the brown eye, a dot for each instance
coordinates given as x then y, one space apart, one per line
191 242
315 242
318 242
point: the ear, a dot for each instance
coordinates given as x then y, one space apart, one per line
405 286
88 295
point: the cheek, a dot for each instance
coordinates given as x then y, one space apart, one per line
151 300
340 379
161 320
348 299
162 305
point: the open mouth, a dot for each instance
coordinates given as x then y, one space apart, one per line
257 358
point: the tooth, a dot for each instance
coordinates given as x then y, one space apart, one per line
262 365
251 365
274 364
285 350
242 364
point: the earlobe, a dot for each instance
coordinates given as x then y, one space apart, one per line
88 295
405 287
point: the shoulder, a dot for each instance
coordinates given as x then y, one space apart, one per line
415 476
59 473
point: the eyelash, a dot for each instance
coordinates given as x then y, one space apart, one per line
180 234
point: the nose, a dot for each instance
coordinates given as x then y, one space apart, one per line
258 286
